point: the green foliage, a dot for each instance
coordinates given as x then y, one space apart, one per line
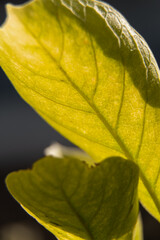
88 73
138 232
74 201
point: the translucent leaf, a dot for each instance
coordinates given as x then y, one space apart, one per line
138 231
74 201
89 74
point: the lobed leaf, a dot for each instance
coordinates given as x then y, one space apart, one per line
74 201
91 76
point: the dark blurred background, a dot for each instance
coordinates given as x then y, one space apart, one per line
24 135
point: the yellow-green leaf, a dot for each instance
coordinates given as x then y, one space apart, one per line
136 233
76 202
90 75
138 230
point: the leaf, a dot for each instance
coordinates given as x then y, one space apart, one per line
136 233
92 77
74 201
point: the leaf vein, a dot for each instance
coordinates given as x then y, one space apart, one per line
95 109
104 121
96 66
122 99
76 132
52 100
157 176
74 210
142 132
60 25
60 124
102 196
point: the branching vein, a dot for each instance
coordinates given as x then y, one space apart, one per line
104 121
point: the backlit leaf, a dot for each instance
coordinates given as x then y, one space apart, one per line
90 75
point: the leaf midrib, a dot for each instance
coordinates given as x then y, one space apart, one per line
73 209
115 136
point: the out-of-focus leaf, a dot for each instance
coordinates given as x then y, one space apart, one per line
74 201
136 233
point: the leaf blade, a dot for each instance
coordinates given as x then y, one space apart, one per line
118 107
73 201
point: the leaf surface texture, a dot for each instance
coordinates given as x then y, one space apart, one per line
76 202
89 74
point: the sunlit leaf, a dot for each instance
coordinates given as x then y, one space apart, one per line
138 231
92 77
